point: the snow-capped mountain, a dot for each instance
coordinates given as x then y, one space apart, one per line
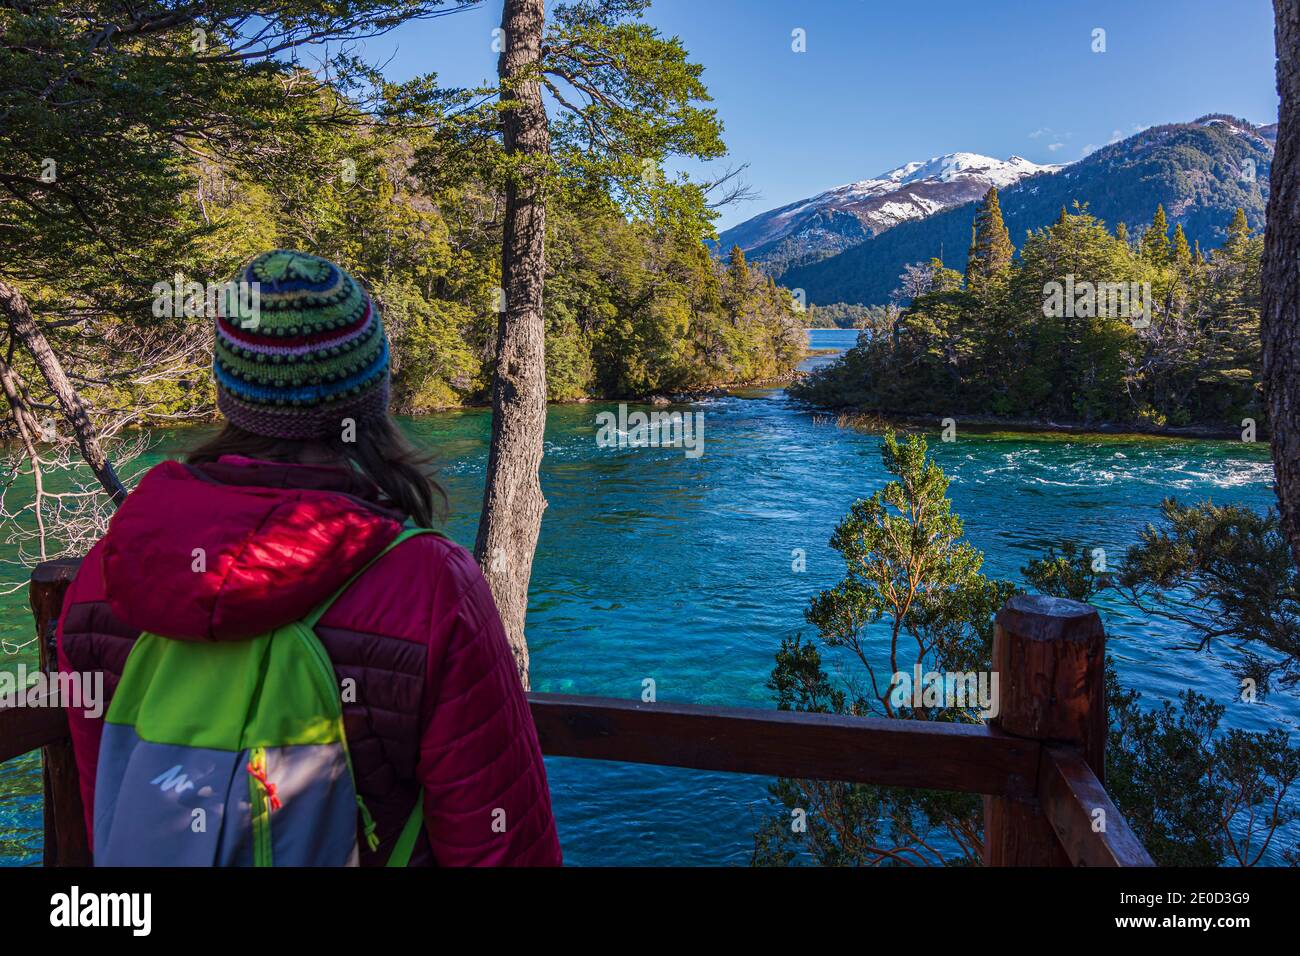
846 215
1201 172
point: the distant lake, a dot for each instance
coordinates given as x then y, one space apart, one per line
841 339
655 565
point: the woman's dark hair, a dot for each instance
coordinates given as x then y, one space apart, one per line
380 452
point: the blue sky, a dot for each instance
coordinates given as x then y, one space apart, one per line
883 82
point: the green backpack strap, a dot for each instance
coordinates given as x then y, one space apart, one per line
405 846
312 619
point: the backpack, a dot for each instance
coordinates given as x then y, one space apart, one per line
233 754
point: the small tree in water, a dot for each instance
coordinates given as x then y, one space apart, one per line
1196 793
912 595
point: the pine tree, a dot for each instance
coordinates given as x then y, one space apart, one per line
1239 264
1155 241
739 268
991 249
735 292
1238 231
1182 252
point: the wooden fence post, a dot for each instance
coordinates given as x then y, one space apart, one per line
65 824
1050 658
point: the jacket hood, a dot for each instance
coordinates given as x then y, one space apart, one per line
232 549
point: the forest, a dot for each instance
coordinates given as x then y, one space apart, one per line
994 343
235 148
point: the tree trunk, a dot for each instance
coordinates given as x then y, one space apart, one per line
512 501
15 309
1279 320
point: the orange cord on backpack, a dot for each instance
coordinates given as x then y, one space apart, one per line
258 773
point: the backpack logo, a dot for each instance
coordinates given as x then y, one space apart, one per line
173 779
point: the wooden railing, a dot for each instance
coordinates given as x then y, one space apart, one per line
1039 763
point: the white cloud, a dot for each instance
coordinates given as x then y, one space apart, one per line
1053 147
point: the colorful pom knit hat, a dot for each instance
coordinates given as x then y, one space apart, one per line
299 348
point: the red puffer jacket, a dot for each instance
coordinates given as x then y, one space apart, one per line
437 700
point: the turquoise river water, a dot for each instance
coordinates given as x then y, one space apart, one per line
654 564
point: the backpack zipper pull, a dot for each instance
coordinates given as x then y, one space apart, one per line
257 770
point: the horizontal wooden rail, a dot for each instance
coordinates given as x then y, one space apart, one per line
971 758
1089 826
24 729
1037 765
968 758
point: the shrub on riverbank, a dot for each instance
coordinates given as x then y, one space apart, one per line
1196 793
914 599
909 570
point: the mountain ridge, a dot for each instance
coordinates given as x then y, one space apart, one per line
1200 171
838 218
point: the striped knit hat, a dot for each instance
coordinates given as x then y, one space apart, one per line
299 351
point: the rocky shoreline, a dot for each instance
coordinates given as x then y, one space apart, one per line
713 391
989 423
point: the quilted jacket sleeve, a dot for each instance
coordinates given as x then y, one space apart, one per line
85 733
485 794
101 638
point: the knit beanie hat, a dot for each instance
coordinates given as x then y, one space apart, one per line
299 348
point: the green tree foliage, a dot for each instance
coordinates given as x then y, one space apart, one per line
1227 575
844 316
1155 241
991 249
630 98
1195 793
1080 328
912 595
1074 356
183 145
1071 573
1181 252
143 141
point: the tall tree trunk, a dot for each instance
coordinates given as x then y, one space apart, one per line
14 307
512 501
1280 318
